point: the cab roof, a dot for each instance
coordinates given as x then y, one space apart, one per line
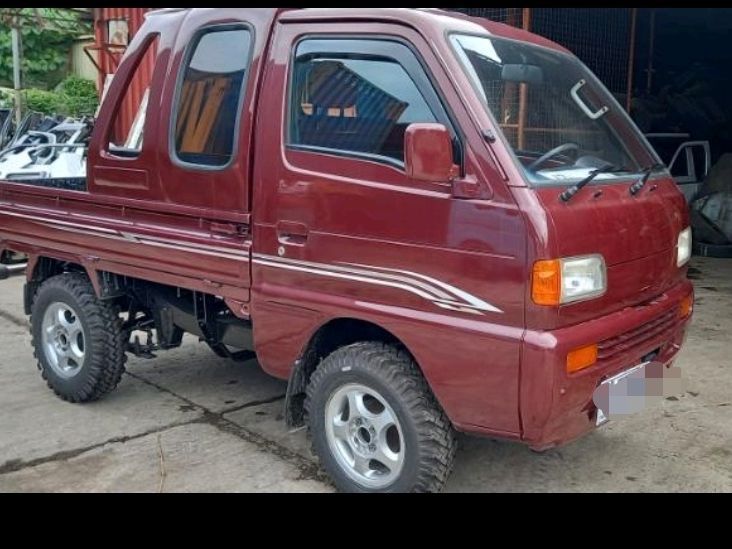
422 19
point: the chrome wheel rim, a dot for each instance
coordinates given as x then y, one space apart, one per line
364 436
64 341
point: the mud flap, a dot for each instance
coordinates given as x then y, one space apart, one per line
295 397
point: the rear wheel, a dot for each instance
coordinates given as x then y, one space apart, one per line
375 424
77 339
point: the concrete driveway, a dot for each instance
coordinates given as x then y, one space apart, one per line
191 422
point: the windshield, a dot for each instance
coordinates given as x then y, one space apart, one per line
560 121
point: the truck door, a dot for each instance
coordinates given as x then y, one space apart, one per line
342 231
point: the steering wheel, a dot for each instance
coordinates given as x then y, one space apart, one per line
552 153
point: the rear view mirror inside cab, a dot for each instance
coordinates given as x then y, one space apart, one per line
428 153
523 74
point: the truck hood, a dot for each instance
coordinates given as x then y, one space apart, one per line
637 236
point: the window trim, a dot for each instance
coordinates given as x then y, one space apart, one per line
189 53
108 35
423 80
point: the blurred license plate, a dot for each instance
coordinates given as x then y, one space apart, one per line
635 390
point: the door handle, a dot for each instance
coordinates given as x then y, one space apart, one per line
291 233
227 229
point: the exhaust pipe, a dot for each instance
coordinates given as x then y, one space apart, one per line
9 271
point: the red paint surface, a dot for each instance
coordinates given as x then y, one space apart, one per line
428 153
499 373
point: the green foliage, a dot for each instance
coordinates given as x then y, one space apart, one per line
43 101
78 96
75 97
6 99
46 35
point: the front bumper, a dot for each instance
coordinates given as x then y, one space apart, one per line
557 408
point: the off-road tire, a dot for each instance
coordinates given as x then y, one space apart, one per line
105 342
429 438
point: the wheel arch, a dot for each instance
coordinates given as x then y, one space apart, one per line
330 336
42 267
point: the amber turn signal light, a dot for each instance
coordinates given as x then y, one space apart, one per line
582 358
686 308
546 283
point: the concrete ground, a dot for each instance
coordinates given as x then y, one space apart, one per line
190 422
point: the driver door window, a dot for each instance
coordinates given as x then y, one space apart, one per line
356 98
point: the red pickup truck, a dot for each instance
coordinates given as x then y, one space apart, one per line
427 223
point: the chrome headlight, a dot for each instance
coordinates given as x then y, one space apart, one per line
583 278
563 281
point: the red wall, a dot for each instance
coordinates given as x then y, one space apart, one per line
109 57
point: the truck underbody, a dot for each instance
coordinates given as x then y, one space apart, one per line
156 316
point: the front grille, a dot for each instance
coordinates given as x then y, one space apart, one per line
631 339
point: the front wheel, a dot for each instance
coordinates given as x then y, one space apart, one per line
375 424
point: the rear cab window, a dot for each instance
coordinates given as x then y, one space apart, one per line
210 97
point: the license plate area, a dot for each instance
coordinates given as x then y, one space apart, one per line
636 389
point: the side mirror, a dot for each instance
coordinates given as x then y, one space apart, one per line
428 153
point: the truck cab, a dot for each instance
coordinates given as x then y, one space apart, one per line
425 222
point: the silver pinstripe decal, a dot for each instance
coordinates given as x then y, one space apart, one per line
126 236
439 293
469 299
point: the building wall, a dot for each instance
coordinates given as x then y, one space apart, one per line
109 57
81 65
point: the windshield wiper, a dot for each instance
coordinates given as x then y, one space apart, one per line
637 187
567 195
